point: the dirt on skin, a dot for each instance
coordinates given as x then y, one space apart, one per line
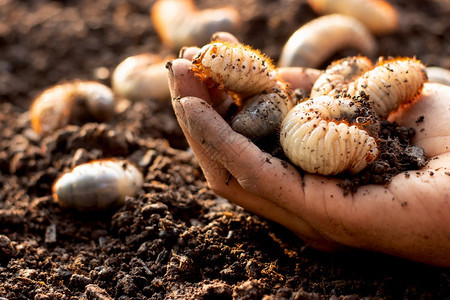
176 238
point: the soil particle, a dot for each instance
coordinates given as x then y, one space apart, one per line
94 292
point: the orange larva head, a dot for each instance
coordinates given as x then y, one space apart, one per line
210 49
65 103
371 156
51 109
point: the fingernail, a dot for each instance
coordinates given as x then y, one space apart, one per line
179 109
170 77
169 67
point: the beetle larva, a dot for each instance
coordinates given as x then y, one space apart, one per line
254 81
179 23
339 74
315 41
235 67
71 103
438 75
96 185
262 114
329 135
377 15
390 84
142 76
315 138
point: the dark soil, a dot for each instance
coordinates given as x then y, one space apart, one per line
176 239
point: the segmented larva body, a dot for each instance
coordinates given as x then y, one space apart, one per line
377 15
71 103
438 75
253 80
390 84
97 185
339 74
314 139
179 23
236 67
323 135
262 114
315 41
142 76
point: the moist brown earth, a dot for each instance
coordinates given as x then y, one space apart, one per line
176 238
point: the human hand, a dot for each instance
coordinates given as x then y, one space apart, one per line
408 218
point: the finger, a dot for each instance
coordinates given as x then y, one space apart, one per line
188 52
299 78
429 115
183 83
213 171
224 37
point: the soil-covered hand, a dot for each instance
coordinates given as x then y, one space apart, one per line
409 217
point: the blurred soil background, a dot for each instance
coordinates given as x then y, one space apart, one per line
175 239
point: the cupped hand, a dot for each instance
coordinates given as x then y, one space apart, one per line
408 218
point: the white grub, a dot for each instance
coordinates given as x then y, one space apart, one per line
236 67
314 138
262 114
390 84
339 74
254 82
98 185
140 77
438 75
71 103
179 23
322 135
317 40
378 16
